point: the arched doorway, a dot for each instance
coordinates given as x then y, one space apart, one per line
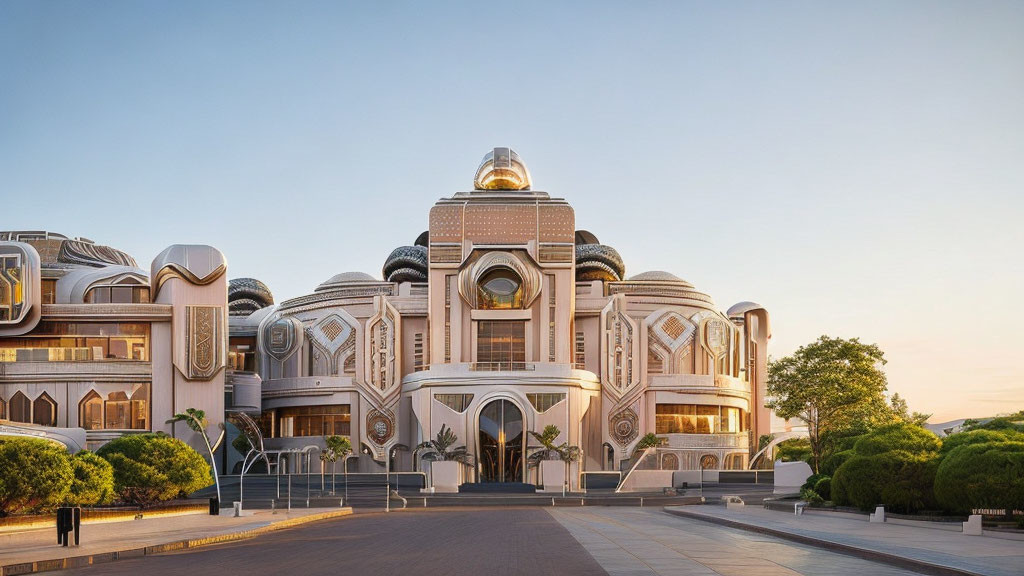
502 442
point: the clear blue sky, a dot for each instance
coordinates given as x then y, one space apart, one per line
857 168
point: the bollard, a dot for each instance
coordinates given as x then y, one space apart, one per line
973 525
214 506
69 519
878 515
238 509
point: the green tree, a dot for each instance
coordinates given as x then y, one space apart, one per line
824 384
337 447
196 420
93 481
35 475
649 440
548 450
154 467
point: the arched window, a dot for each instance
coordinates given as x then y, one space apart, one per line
500 289
125 291
90 411
117 411
350 364
44 411
140 408
21 408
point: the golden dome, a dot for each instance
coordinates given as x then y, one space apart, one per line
502 169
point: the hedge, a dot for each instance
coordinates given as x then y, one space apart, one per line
989 475
150 468
93 480
979 437
35 475
902 481
905 437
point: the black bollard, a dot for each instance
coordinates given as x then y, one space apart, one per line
214 506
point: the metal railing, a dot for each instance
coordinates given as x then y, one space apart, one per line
502 366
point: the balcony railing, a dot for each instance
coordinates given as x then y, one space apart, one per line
67 354
502 366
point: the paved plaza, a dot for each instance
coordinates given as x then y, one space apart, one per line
618 541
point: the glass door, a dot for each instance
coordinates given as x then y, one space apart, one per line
501 442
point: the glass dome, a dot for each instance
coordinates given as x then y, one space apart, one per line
502 169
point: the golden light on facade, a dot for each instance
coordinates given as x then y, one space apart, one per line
502 169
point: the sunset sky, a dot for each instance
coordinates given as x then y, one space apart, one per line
857 168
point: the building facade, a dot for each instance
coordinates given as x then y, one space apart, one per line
500 319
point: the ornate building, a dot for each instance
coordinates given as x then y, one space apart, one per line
500 319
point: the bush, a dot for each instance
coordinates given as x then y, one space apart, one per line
832 463
811 496
900 480
35 475
989 475
824 488
150 468
979 437
902 436
812 480
793 450
93 480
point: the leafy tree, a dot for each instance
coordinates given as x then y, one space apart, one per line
987 475
649 440
93 481
548 450
900 412
154 467
337 448
35 475
196 420
824 384
793 450
440 448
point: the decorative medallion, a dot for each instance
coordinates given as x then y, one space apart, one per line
380 426
709 462
670 461
716 337
204 338
282 337
624 426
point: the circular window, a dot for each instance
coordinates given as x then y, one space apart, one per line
500 289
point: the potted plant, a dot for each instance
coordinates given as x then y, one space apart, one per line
554 460
445 462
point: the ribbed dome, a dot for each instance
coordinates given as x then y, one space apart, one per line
502 169
598 262
740 308
346 278
247 295
406 264
658 276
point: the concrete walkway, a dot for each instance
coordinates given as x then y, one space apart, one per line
36 550
938 548
646 541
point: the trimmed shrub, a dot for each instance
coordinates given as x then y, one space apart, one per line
900 480
812 480
832 463
902 436
150 468
93 481
989 475
35 475
824 488
811 496
979 437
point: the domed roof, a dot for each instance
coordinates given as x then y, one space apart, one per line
346 278
247 295
740 308
585 237
658 276
598 262
502 169
406 264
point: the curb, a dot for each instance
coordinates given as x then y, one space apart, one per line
187 544
862 553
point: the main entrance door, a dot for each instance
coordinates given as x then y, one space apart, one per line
501 442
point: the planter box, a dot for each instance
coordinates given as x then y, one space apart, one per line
445 476
552 475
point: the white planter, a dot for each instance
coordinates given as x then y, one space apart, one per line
552 475
445 476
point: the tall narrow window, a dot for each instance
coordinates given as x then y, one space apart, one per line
581 351
417 352
49 290
3 409
117 411
21 408
448 318
140 408
551 318
44 411
501 344
90 411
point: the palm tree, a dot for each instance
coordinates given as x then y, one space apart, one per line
196 420
438 448
549 451
337 448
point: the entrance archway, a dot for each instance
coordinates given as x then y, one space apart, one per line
502 442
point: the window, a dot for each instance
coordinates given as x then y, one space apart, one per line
500 289
266 423
417 352
117 411
350 364
501 343
44 411
699 419
90 412
12 298
21 408
118 294
3 409
79 342
49 290
544 402
242 354
457 402
581 351
654 362
314 421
